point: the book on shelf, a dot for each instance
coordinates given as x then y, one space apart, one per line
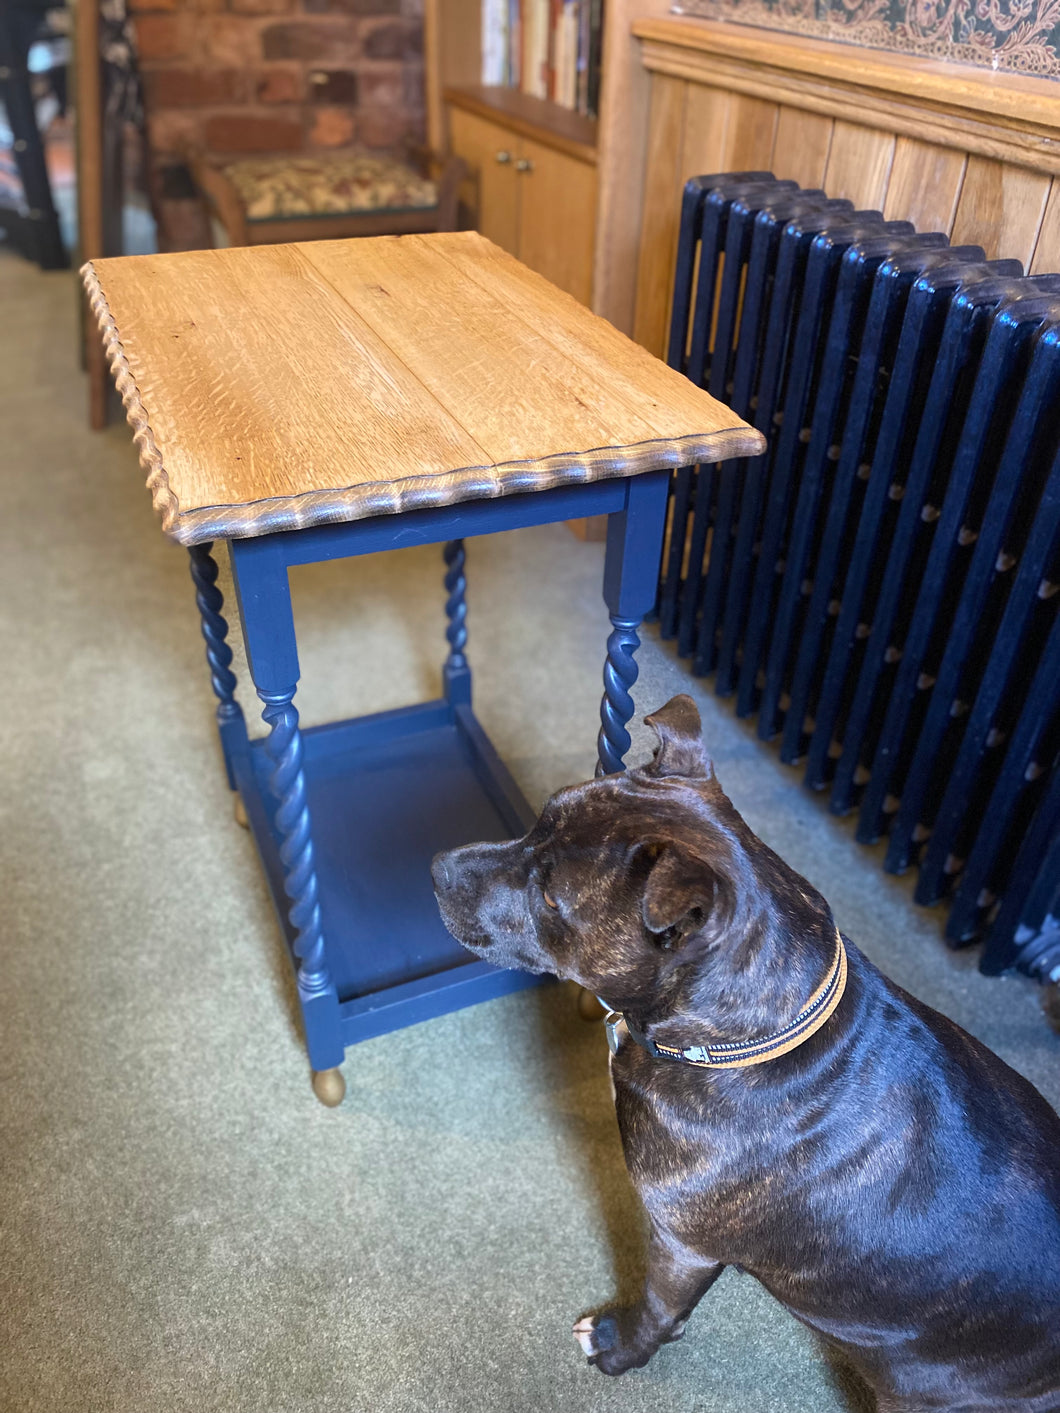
548 49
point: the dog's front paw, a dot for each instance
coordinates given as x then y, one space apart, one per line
601 1339
595 1333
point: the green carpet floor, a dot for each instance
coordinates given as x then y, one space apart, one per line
182 1226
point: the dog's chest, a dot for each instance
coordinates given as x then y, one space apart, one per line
694 1164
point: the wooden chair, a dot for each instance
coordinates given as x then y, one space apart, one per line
327 196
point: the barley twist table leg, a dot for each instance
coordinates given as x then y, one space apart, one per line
210 601
616 709
284 748
259 573
457 672
631 578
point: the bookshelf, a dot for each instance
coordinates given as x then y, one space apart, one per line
561 191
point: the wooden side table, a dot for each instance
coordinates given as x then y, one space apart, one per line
317 401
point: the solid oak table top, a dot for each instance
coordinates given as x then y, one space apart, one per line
276 387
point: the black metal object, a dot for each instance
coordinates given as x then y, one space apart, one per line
797 602
844 719
883 585
1025 933
34 227
968 322
780 324
1000 437
700 248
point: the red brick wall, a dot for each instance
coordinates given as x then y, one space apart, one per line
280 75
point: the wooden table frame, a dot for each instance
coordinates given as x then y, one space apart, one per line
331 399
275 776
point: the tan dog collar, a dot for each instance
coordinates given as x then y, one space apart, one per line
737 1055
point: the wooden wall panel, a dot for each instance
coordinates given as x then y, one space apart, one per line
749 137
714 120
925 184
938 144
801 146
1001 209
622 149
689 136
704 136
1011 117
662 210
1046 259
859 164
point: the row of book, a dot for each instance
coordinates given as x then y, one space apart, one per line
547 48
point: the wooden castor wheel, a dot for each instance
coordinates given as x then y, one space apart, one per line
240 812
329 1087
589 1008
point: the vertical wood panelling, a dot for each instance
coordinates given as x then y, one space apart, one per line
697 128
662 209
801 146
1000 208
704 140
925 184
1046 259
859 164
750 134
625 105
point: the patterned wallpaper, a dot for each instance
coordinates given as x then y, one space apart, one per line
1018 35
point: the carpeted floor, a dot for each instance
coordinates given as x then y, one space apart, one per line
182 1226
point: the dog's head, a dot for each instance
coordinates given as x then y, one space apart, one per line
644 887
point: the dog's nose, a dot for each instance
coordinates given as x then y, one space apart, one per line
443 879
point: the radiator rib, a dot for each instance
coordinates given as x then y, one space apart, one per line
882 587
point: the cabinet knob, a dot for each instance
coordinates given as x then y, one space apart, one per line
524 165
503 157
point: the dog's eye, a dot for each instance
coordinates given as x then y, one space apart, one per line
550 902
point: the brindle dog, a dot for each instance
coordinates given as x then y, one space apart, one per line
889 1180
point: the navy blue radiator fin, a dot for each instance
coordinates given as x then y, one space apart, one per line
882 587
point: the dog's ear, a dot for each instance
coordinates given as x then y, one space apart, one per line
680 750
678 896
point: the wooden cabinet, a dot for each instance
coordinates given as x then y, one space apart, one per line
557 217
490 196
532 185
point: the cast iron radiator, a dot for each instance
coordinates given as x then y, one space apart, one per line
880 588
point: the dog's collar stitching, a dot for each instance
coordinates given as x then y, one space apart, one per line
739 1054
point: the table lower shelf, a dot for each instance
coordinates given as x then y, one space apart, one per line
385 793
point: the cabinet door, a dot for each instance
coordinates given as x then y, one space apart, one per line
557 217
490 154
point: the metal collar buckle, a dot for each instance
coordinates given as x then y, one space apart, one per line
617 1029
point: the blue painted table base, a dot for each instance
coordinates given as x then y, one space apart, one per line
347 816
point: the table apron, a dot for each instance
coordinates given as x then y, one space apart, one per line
436 524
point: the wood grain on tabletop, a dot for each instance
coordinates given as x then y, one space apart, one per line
258 380
494 365
280 371
662 397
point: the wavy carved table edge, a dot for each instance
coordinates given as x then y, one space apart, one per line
359 502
